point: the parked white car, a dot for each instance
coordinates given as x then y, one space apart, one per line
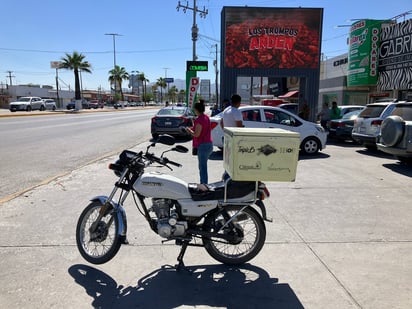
27 104
50 104
312 136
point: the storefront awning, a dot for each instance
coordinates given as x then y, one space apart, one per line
289 94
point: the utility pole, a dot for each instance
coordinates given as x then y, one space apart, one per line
10 77
216 77
195 29
114 56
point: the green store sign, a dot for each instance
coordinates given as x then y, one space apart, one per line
363 52
194 66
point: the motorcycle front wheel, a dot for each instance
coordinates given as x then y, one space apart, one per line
102 244
246 234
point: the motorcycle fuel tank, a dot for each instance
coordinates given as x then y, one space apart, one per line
158 185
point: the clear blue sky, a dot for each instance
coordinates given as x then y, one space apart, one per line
153 35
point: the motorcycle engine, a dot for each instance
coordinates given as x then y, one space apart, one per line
167 219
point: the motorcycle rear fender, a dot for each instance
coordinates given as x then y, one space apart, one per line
262 208
120 212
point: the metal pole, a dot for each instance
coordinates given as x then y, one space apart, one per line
57 88
114 56
194 30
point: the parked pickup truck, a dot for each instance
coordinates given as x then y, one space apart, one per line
27 104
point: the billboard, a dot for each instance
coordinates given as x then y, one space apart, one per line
284 38
363 52
395 57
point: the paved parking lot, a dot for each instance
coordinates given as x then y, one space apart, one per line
341 238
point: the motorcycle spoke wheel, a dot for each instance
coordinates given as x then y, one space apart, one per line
247 235
103 244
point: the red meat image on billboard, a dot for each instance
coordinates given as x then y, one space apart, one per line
283 38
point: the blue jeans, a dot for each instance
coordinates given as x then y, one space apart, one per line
203 152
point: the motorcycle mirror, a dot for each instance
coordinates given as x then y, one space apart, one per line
166 140
180 148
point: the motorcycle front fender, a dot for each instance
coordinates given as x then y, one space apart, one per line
120 212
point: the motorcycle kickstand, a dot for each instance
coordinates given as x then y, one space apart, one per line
181 265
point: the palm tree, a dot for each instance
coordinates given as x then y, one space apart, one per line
117 75
172 93
76 63
143 79
162 84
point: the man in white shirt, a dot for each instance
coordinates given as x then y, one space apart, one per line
232 117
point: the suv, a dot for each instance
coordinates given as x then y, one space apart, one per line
396 133
27 104
368 123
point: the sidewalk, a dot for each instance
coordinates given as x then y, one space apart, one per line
334 243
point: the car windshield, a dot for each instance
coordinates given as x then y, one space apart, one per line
351 115
404 111
171 111
372 111
24 99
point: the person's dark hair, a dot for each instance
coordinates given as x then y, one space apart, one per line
200 107
235 99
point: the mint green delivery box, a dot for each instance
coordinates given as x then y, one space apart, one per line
251 154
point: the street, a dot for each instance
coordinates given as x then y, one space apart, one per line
340 238
36 148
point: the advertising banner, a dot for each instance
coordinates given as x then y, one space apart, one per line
194 85
272 37
395 57
363 52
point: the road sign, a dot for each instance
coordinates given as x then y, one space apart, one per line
169 80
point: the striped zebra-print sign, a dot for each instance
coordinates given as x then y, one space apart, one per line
395 57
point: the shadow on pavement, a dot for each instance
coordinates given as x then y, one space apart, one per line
403 169
246 286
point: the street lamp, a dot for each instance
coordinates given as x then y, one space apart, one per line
114 55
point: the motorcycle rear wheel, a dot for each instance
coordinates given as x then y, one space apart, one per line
101 246
249 233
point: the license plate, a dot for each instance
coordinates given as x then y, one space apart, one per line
168 123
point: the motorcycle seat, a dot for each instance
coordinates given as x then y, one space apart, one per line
216 190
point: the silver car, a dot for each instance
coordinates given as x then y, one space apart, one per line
368 123
27 104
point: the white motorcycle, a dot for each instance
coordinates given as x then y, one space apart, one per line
225 217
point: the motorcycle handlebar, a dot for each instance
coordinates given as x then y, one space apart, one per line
163 160
172 162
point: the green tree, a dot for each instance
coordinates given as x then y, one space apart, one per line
162 84
144 80
117 75
76 63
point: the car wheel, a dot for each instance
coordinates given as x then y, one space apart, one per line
42 108
392 129
310 145
28 108
155 135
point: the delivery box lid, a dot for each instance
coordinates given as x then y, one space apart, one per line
260 131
